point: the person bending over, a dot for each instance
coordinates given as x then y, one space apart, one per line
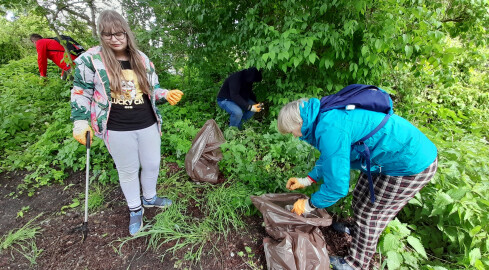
236 96
403 158
48 48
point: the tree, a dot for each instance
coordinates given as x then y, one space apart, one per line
313 47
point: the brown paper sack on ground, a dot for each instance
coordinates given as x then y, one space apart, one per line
298 243
202 158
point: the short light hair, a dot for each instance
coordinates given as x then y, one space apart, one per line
289 118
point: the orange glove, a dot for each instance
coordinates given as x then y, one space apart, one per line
295 183
257 107
302 206
80 130
174 96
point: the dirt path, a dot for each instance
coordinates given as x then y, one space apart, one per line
63 249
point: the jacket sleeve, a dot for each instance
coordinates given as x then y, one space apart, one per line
42 57
160 93
234 90
83 89
253 96
333 167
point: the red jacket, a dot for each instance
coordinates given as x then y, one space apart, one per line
50 49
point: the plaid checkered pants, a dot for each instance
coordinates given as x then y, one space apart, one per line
392 193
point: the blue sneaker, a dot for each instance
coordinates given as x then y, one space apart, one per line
156 202
338 263
135 221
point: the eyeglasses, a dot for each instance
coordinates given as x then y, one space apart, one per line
118 35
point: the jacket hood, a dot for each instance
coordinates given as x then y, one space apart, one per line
252 75
309 111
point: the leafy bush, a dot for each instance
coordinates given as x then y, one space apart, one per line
9 51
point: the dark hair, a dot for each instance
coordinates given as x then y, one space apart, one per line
252 74
35 37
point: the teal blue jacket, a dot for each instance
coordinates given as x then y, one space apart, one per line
397 149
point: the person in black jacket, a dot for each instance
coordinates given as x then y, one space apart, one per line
236 96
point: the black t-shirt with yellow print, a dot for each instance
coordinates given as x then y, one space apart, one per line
131 110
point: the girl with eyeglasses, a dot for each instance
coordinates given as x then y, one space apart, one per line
115 89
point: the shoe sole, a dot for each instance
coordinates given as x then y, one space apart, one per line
157 206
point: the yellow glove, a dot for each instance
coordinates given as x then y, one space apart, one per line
80 130
257 107
295 183
302 206
174 96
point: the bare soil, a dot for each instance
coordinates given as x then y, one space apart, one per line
63 249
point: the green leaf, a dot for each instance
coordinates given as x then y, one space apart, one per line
329 86
415 201
75 203
364 50
416 244
484 201
409 50
447 58
378 44
323 9
394 260
307 51
400 228
310 42
458 193
405 38
474 255
287 45
441 201
479 265
391 242
312 57
296 61
272 56
410 259
284 67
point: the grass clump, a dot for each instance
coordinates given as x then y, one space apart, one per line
23 241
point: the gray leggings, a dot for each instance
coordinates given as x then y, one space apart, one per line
130 151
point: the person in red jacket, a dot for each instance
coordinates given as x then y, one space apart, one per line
50 49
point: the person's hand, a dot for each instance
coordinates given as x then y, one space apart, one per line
174 96
80 130
302 206
257 107
295 183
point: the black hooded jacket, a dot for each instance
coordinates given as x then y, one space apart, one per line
237 87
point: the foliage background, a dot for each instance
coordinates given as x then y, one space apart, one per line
431 56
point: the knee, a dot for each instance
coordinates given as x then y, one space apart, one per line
238 114
151 166
127 176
